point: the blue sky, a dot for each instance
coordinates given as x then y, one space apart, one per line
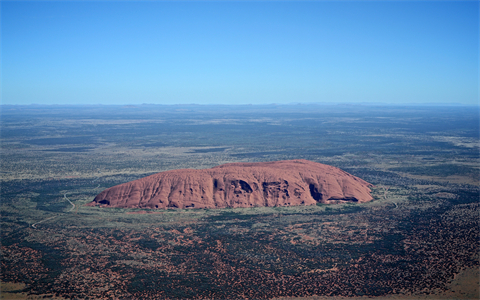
226 52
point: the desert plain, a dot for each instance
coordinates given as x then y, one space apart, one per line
417 239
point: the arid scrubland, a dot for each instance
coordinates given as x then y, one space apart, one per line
416 239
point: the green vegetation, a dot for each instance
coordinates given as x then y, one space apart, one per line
413 238
442 170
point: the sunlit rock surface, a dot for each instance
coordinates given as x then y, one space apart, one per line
280 183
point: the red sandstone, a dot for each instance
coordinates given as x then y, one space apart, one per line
280 183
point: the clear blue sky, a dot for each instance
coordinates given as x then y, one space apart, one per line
165 52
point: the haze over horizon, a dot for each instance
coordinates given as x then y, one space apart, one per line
222 52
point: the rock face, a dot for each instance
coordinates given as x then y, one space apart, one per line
280 183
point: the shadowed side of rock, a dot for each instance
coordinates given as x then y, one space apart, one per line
282 183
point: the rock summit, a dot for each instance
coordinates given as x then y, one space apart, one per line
278 183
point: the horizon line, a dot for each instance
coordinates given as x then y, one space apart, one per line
259 104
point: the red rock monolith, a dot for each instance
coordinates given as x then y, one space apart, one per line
279 183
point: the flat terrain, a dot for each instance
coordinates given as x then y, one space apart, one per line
419 238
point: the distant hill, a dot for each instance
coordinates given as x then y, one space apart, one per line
280 183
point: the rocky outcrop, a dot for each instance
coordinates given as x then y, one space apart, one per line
280 183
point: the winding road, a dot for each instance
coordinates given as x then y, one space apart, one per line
34 224
71 209
65 197
73 205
